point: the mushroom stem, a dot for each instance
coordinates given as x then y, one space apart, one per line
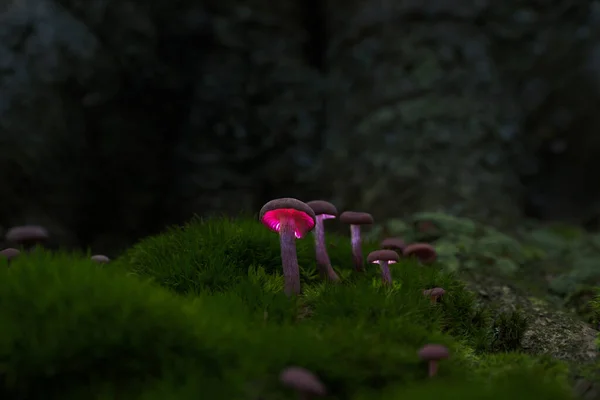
289 257
433 368
356 248
323 261
386 276
433 299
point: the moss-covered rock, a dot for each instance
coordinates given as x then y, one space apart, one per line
198 312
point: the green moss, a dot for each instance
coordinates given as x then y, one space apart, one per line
198 312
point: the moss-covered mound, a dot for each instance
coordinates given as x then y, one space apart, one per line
198 313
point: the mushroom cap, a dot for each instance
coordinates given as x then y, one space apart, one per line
322 207
27 233
433 352
9 253
272 213
438 291
302 380
376 256
423 251
393 244
356 218
100 258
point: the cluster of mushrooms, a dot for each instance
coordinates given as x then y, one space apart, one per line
293 219
29 236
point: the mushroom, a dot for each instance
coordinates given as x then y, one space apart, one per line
302 381
384 258
393 243
100 259
323 210
292 219
433 353
423 251
27 235
9 253
434 294
355 220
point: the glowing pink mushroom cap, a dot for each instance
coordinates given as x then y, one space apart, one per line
275 211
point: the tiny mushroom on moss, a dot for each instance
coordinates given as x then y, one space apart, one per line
27 235
292 219
100 259
9 253
356 220
433 353
384 258
323 210
424 252
393 243
304 382
434 294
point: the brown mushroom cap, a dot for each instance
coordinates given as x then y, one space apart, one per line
274 211
27 234
433 352
322 207
393 244
383 255
423 251
356 218
9 253
438 291
302 380
100 258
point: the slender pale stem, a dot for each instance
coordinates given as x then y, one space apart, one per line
386 275
323 261
356 248
289 257
433 368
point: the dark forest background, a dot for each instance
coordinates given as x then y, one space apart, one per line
120 117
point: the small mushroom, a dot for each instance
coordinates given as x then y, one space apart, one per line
292 219
323 210
9 253
393 243
100 259
27 235
424 252
355 220
433 353
434 294
302 381
384 258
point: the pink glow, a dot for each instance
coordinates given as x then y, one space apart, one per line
303 223
327 216
379 262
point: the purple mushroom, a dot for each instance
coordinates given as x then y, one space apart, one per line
433 353
9 253
424 252
434 294
393 243
27 235
384 258
355 220
292 219
100 259
304 382
323 210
